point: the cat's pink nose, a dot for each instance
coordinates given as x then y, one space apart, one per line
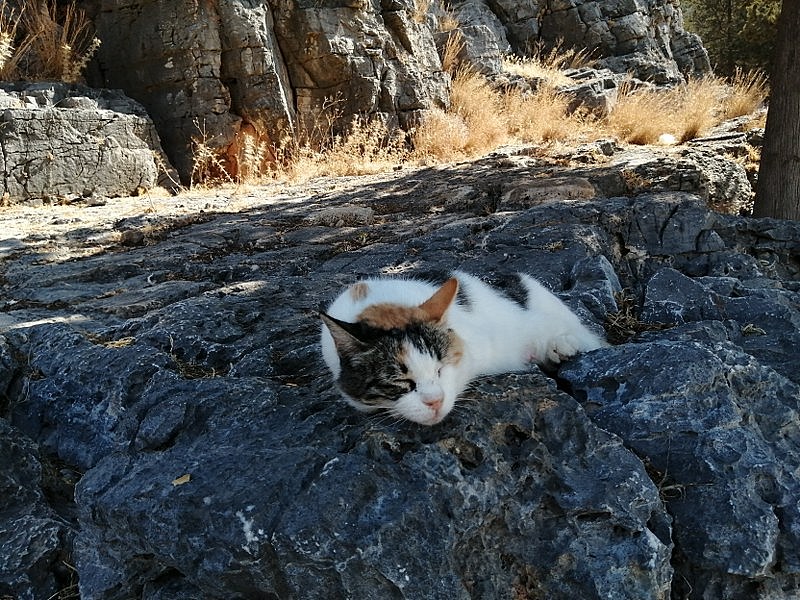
435 402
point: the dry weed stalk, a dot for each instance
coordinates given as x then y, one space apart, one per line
452 48
62 42
207 162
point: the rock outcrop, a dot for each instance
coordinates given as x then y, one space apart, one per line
64 141
166 365
268 71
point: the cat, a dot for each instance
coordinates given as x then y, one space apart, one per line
410 347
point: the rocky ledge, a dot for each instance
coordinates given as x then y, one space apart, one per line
169 430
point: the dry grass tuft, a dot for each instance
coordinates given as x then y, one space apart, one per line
441 136
548 65
52 42
480 106
369 147
541 116
748 90
687 111
643 116
452 48
696 106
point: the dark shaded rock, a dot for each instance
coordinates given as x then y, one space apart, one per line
32 536
221 463
720 431
506 497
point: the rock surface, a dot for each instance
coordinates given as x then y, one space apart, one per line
163 353
64 141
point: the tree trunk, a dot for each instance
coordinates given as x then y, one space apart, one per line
778 190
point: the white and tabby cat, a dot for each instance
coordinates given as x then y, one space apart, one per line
410 347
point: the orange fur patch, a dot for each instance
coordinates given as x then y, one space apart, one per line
456 351
359 291
392 316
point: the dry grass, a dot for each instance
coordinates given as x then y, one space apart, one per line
452 48
369 147
419 14
480 119
40 40
688 111
747 93
548 65
642 116
540 117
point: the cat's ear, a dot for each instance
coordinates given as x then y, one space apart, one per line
437 305
346 336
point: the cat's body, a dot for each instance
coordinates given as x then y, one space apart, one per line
409 347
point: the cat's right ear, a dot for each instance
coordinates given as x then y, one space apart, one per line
437 305
345 335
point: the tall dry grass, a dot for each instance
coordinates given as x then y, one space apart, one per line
481 118
685 112
748 90
42 40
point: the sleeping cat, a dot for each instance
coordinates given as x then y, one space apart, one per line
410 348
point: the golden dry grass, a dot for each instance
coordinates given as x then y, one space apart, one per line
541 116
548 65
41 40
642 116
480 119
748 90
687 111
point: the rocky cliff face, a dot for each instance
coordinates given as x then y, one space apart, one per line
221 71
163 365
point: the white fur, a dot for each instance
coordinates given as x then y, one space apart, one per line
498 336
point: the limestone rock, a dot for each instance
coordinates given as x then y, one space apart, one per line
644 39
267 70
61 141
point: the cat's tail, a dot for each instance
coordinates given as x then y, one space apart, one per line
556 332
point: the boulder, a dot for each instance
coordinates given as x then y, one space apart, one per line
643 39
64 141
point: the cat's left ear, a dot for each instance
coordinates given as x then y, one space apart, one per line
437 305
345 335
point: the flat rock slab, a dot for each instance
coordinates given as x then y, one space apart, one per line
160 359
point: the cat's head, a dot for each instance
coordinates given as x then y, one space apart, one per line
400 359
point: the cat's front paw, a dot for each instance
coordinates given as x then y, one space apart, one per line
566 345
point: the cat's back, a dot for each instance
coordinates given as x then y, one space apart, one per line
355 298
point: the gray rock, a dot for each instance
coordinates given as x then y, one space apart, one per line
267 71
328 513
717 431
32 536
63 141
